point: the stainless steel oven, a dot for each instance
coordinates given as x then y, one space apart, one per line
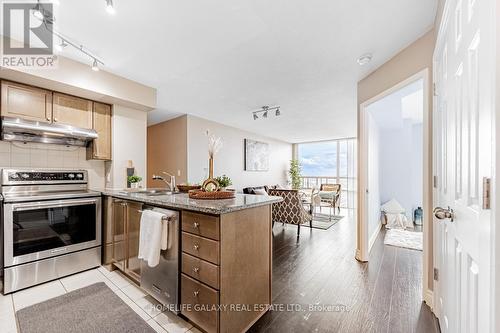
51 226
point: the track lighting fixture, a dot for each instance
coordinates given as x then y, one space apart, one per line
109 7
265 111
48 20
95 66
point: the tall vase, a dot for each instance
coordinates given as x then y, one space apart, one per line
211 168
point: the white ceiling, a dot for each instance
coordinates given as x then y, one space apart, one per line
221 60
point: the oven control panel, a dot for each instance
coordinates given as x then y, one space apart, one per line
44 177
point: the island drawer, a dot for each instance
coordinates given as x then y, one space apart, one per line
200 270
200 304
200 247
201 224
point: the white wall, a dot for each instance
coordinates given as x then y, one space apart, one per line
230 159
373 175
129 140
401 177
37 155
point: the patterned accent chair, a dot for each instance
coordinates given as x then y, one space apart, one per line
291 210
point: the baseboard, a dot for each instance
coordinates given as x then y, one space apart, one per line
374 237
429 299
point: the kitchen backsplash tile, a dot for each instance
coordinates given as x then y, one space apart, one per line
33 155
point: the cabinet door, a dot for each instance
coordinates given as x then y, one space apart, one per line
100 148
119 233
25 102
71 110
132 263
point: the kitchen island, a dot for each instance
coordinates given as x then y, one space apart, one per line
225 253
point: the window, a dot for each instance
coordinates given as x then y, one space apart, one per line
330 162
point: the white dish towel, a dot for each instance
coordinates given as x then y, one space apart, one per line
153 234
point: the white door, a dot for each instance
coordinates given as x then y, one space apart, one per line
464 69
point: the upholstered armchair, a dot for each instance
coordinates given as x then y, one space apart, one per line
291 209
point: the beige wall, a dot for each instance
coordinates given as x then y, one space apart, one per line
409 61
179 146
129 140
230 159
167 150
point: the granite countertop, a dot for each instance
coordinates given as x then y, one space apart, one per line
182 201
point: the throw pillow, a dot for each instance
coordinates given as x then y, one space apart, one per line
260 191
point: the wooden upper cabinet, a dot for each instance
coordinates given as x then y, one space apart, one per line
71 110
100 148
26 102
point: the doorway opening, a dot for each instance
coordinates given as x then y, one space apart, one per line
395 167
394 189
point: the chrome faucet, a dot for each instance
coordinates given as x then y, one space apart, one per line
171 184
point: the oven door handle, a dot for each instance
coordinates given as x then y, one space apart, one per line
41 205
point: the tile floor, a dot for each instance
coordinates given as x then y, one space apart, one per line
142 304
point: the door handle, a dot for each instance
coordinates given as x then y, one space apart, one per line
444 213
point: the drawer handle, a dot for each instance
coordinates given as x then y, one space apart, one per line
196 269
196 225
196 247
196 293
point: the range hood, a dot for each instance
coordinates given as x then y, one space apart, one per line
15 129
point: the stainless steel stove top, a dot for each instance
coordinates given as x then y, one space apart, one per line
19 185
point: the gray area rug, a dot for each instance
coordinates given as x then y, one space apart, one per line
322 221
404 238
93 309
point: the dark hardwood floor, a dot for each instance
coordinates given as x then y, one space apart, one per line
318 270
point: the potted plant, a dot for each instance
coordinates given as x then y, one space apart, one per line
224 181
295 174
134 181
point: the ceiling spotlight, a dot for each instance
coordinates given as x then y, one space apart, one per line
278 113
364 59
95 66
38 12
255 116
109 7
264 114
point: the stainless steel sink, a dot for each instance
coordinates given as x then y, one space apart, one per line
156 191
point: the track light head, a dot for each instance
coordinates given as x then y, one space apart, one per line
61 46
264 114
255 116
109 7
278 113
95 66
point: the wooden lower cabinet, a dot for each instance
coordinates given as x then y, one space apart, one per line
200 304
226 283
121 236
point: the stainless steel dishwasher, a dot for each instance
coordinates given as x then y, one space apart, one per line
162 281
